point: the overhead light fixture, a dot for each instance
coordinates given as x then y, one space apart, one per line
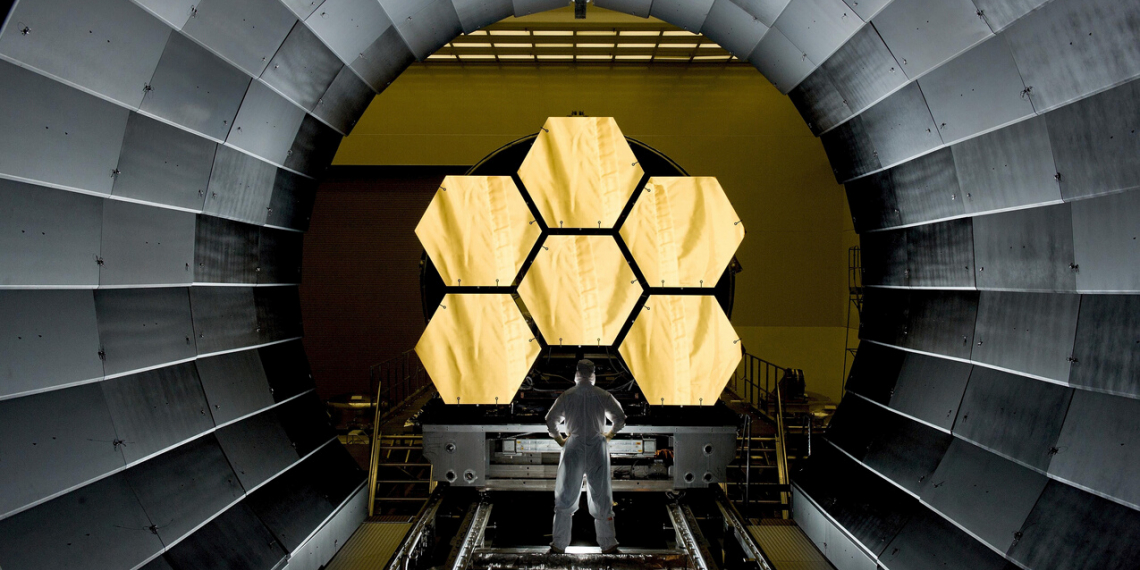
640 33
595 46
597 33
632 57
512 45
515 56
510 33
595 57
552 32
643 46
475 56
472 45
562 57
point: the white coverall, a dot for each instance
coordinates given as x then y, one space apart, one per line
584 408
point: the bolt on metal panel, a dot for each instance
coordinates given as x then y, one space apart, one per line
863 70
245 32
266 124
50 339
850 150
1026 250
280 252
873 202
930 388
688 14
1107 329
926 188
241 187
1099 447
236 539
976 92
1028 332
258 448
819 102
291 205
163 164
965 484
174 12
941 322
54 441
735 30
900 127
195 89
48 237
98 527
781 61
145 245
349 26
139 328
1071 48
924 34
314 148
1008 168
930 541
286 369
303 68
225 251
425 25
1096 141
384 60
110 47
157 409
941 255
184 487
639 8
278 313
55 134
224 318
999 14
818 27
1110 531
235 385
345 101
476 14
303 8
1105 244
1015 416
884 258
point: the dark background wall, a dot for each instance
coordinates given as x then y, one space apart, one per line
360 291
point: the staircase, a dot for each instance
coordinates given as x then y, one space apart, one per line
400 477
759 486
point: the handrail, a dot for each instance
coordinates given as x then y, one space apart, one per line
761 385
399 381
781 447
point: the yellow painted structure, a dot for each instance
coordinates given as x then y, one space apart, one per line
682 231
478 231
580 172
580 290
477 349
682 350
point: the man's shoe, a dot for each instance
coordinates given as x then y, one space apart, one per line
556 550
611 550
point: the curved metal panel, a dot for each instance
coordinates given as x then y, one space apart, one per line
819 102
145 245
291 205
884 318
863 69
163 164
976 92
314 148
236 539
476 14
767 11
1107 253
866 9
926 188
224 318
278 313
195 89
349 26
884 258
303 68
306 423
1008 168
173 12
1109 533
246 32
1069 49
839 549
849 150
1026 250
157 409
1027 332
345 101
875 372
873 202
48 237
303 8
110 47
266 124
139 328
383 60
900 127
941 255
241 187
688 14
55 134
1099 447
52 442
780 61
99 527
999 14
639 8
941 322
50 339
528 7
1105 353
258 448
930 541
280 256
924 34
291 506
287 369
818 27
736 30
930 388
235 385
425 25
1015 416
984 493
225 251
1095 143
184 487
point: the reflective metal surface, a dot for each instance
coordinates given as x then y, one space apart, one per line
145 245
348 26
900 127
303 68
266 124
1026 250
235 385
818 27
1094 141
1028 332
1010 167
163 164
1112 532
1097 449
225 251
475 14
224 318
425 25
235 539
688 14
863 70
930 541
1103 353
51 339
923 34
784 64
48 237
241 187
280 257
734 29
258 448
278 313
1105 248
344 101
927 188
941 255
245 32
140 328
158 409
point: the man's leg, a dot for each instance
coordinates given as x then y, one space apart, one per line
599 493
567 489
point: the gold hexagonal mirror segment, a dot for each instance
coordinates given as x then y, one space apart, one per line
477 349
478 231
580 172
580 290
681 350
682 231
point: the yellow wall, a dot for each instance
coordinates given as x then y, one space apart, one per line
727 122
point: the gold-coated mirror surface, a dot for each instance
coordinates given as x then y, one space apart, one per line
579 290
478 231
581 172
477 349
682 350
682 231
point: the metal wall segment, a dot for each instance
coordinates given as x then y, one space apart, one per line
241 187
280 257
173 12
941 255
1001 13
818 27
1008 168
383 60
143 245
291 204
157 409
843 552
927 188
346 99
286 369
1106 353
245 32
1106 248
303 8
48 237
475 14
884 258
225 251
1026 250
313 149
235 385
1032 333
930 541
930 389
1099 446
258 448
235 539
278 313
734 29
819 102
941 322
224 318
863 70
900 127
319 550
348 27
425 25
924 34
1095 143
163 164
142 328
767 11
688 14
779 60
303 69
266 124
51 338
1110 533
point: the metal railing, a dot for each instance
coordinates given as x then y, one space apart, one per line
397 382
758 382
